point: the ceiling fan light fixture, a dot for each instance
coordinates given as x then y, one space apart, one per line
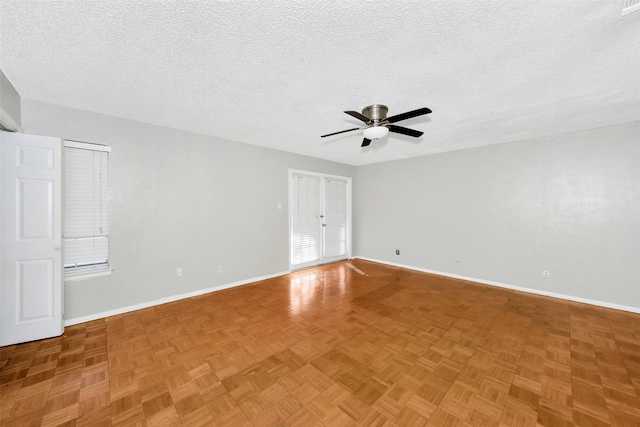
375 132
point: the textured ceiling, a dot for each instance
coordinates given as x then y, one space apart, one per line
281 73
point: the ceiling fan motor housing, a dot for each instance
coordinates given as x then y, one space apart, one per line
376 112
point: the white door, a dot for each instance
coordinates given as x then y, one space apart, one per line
31 238
320 219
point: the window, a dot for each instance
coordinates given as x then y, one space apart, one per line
86 209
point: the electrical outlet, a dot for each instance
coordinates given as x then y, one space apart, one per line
545 274
397 251
179 272
219 269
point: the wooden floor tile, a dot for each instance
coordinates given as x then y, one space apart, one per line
330 346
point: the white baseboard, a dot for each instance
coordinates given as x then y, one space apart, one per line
507 286
172 298
165 300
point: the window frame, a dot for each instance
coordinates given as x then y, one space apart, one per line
85 272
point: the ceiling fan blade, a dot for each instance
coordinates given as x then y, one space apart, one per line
408 115
405 131
358 116
342 131
365 142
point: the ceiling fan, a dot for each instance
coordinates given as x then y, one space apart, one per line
378 124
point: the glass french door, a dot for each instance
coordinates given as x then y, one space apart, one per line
320 219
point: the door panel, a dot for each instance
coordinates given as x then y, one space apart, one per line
34 200
31 238
36 157
36 288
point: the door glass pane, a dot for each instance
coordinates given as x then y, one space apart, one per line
305 220
335 231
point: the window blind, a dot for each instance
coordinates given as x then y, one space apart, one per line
305 224
86 207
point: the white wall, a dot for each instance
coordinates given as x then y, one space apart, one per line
179 199
569 204
10 112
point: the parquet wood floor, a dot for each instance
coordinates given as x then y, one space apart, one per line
331 347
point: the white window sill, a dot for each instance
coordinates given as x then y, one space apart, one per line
82 275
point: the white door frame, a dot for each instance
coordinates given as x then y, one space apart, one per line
349 203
